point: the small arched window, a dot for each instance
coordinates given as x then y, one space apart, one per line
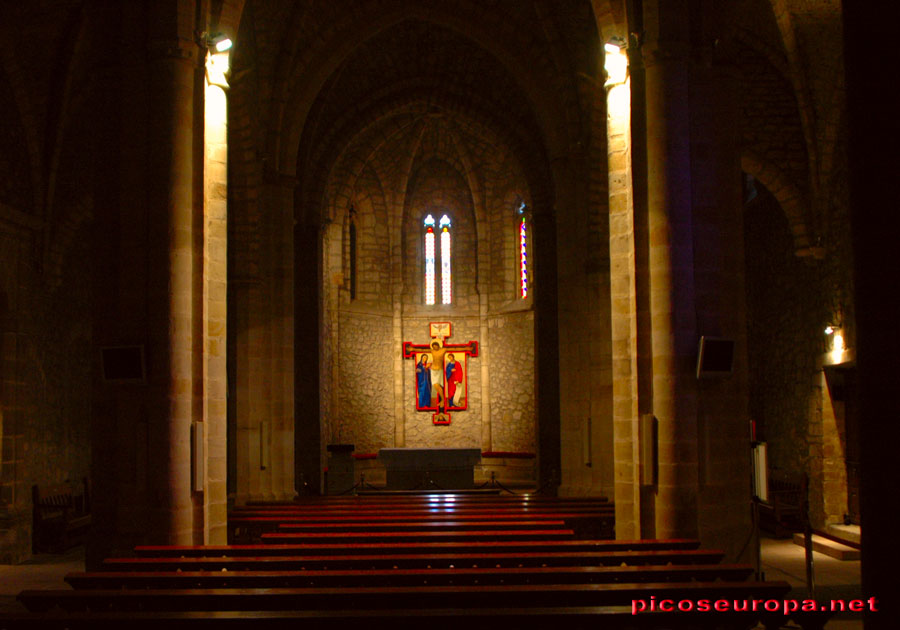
431 259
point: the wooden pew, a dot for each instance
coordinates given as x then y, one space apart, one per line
374 560
586 517
570 618
400 536
251 528
394 597
408 561
338 502
512 546
407 577
418 525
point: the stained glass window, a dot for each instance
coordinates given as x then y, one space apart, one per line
445 259
523 252
431 258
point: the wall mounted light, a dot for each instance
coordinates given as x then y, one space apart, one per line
215 42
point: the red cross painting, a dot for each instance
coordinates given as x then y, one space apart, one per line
442 375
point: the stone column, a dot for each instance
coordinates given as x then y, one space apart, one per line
671 265
574 325
308 442
272 394
624 312
724 507
281 195
546 348
215 280
171 304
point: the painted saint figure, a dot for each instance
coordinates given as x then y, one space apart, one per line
423 380
454 381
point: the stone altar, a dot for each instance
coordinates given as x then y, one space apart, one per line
430 468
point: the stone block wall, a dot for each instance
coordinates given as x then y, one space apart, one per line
365 382
790 302
45 383
512 382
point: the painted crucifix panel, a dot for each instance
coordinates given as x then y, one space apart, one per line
442 375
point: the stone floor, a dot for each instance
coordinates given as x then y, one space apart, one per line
781 560
832 579
45 570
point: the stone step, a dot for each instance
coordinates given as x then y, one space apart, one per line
845 533
829 547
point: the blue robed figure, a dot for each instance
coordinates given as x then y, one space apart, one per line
423 381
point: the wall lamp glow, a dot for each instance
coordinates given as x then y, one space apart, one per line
829 330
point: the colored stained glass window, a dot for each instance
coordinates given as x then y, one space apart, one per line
431 259
523 258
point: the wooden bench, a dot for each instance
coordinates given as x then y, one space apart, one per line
510 546
420 560
571 618
381 506
406 563
395 597
407 577
61 518
445 535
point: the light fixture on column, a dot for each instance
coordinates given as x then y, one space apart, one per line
217 58
616 61
215 42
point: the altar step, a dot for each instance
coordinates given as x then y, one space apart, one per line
829 547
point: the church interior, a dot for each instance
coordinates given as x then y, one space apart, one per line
612 246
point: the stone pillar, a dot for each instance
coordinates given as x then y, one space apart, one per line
574 325
872 189
724 508
172 301
624 312
265 381
215 280
308 442
281 196
546 348
671 265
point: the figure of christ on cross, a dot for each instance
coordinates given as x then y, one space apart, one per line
441 378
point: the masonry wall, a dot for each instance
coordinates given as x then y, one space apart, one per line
790 302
